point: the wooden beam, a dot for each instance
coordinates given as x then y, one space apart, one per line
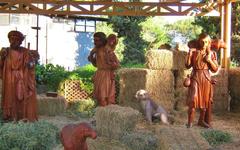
227 33
232 1
60 7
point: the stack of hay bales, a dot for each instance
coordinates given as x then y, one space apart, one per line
115 127
131 80
158 79
171 63
163 79
178 138
51 106
234 88
220 91
180 90
0 91
114 121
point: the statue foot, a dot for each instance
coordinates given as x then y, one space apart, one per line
203 124
189 125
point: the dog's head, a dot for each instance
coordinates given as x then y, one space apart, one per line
142 95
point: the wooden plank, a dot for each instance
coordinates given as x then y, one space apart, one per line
100 7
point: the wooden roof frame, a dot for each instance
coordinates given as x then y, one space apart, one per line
71 8
67 7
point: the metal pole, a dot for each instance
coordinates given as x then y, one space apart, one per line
37 32
46 52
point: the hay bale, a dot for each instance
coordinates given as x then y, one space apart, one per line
102 143
140 140
131 80
234 88
180 91
220 91
51 106
114 121
1 86
165 59
159 84
178 138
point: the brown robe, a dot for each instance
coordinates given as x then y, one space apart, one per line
104 83
18 84
200 91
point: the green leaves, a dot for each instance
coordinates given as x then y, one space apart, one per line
52 76
129 27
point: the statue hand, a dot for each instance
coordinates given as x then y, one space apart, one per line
3 53
191 50
208 58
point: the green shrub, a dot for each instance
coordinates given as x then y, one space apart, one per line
86 71
234 63
50 75
81 108
1 120
28 136
54 76
216 137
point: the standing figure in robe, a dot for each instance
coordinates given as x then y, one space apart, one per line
17 71
104 83
202 60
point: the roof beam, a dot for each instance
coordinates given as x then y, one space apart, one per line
60 7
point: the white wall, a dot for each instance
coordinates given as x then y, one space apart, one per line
55 39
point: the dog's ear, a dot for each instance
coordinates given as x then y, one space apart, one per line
137 95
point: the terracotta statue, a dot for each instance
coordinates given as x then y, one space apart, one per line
202 60
111 58
17 68
73 136
106 63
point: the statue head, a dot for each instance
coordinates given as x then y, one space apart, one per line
15 38
204 41
99 39
112 40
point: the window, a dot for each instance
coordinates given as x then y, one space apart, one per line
84 25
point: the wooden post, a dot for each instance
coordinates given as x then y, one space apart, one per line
222 32
227 33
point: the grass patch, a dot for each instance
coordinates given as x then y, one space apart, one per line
216 137
28 136
82 108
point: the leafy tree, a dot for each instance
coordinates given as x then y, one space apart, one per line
108 29
209 25
129 27
235 18
236 22
186 28
154 32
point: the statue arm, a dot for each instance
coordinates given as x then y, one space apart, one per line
212 61
3 55
188 61
92 57
114 59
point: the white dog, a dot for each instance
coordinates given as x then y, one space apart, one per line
151 109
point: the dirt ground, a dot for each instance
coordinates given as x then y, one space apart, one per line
227 122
